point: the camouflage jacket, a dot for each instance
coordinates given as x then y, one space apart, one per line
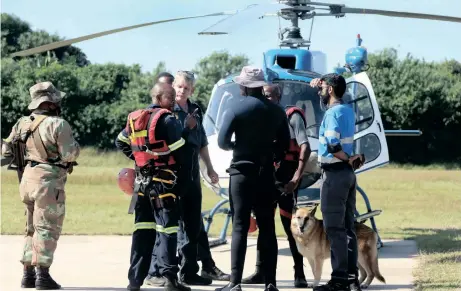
57 137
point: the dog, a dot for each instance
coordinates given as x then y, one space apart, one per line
312 243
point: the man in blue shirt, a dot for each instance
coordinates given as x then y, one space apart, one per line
338 190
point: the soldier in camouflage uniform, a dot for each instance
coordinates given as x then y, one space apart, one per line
50 152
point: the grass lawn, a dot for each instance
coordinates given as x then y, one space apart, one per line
423 204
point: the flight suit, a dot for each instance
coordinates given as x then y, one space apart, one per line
50 151
284 173
257 123
152 219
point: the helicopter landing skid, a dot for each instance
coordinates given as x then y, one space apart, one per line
208 218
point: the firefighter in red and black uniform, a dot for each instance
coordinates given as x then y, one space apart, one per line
288 175
152 138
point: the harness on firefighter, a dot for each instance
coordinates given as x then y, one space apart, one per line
294 149
141 129
153 158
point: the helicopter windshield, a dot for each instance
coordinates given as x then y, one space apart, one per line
295 93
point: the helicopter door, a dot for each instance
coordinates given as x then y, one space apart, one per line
369 137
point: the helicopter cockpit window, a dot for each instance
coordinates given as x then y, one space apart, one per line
358 96
295 93
222 97
303 96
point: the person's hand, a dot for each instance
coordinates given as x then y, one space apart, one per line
190 120
213 176
315 83
291 186
356 161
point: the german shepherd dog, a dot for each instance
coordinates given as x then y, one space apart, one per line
313 244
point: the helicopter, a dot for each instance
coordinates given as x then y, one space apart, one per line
292 66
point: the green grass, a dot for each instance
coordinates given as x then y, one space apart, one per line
419 203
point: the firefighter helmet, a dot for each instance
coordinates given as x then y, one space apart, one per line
125 180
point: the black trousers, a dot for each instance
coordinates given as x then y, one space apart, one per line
204 254
252 187
338 202
190 226
286 204
152 222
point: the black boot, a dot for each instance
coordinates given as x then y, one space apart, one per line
354 285
230 287
271 287
300 279
28 278
214 273
44 280
333 285
194 279
172 284
256 278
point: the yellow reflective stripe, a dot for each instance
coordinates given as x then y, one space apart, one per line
167 195
122 138
167 230
145 225
176 145
7 140
161 180
132 129
141 133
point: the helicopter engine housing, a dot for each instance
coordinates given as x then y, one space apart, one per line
289 59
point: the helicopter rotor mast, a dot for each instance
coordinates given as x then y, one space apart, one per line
298 10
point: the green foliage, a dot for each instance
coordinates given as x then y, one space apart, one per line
213 68
412 93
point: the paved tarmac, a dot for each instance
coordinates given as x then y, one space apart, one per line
101 263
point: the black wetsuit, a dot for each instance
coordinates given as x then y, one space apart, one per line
257 123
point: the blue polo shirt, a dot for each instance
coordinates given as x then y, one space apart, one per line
338 126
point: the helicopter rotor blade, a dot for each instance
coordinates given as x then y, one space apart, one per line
63 43
400 14
241 17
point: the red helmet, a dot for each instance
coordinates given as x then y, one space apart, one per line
125 180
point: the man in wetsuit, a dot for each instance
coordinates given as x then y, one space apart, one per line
288 175
257 123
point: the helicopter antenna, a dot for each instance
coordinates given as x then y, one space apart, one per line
310 33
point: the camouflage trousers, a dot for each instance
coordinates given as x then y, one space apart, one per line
45 211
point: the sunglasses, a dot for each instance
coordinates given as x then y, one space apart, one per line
190 73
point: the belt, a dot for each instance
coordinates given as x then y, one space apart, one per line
35 163
336 166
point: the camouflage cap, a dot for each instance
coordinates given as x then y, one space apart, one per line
44 92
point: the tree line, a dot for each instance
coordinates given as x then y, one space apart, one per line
412 93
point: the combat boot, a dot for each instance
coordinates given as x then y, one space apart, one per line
172 284
28 278
44 280
256 278
214 273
